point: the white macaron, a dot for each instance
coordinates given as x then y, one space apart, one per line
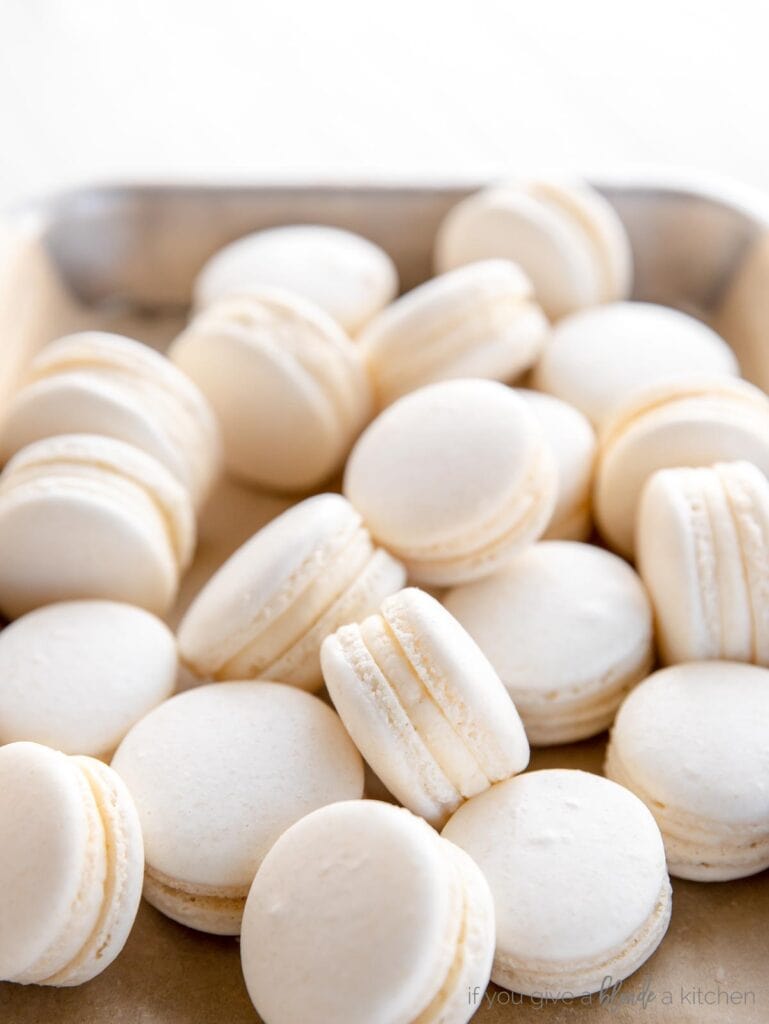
345 274
568 627
691 421
576 867
266 611
703 552
362 912
71 865
423 705
453 479
691 742
285 381
575 447
481 320
98 383
567 238
597 358
83 516
218 773
77 675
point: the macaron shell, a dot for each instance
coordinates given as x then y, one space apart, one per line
480 320
98 667
453 477
52 862
543 840
636 345
690 422
117 546
568 627
348 276
703 768
236 763
123 882
342 876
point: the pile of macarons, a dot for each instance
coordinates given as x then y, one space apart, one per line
524 510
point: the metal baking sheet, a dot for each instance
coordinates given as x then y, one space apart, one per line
124 258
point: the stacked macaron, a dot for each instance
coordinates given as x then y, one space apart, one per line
239 806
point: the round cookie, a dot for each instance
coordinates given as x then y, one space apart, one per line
266 611
423 705
285 381
83 516
691 743
71 863
363 912
99 383
692 421
576 867
598 357
481 320
565 236
218 773
453 479
703 552
78 674
568 627
574 445
345 274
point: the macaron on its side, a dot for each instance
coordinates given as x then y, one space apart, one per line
372 888
692 421
690 741
217 774
542 840
128 523
568 627
480 320
286 383
574 444
635 345
423 705
453 478
71 865
690 555
347 275
266 611
565 236
99 383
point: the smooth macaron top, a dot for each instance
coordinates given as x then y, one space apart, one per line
598 357
703 551
77 675
567 238
362 910
692 739
691 421
71 866
127 523
285 381
576 866
345 274
480 320
452 478
99 383
423 704
313 565
220 771
563 622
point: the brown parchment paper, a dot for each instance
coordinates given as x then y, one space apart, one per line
712 966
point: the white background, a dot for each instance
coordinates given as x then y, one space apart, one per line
97 90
